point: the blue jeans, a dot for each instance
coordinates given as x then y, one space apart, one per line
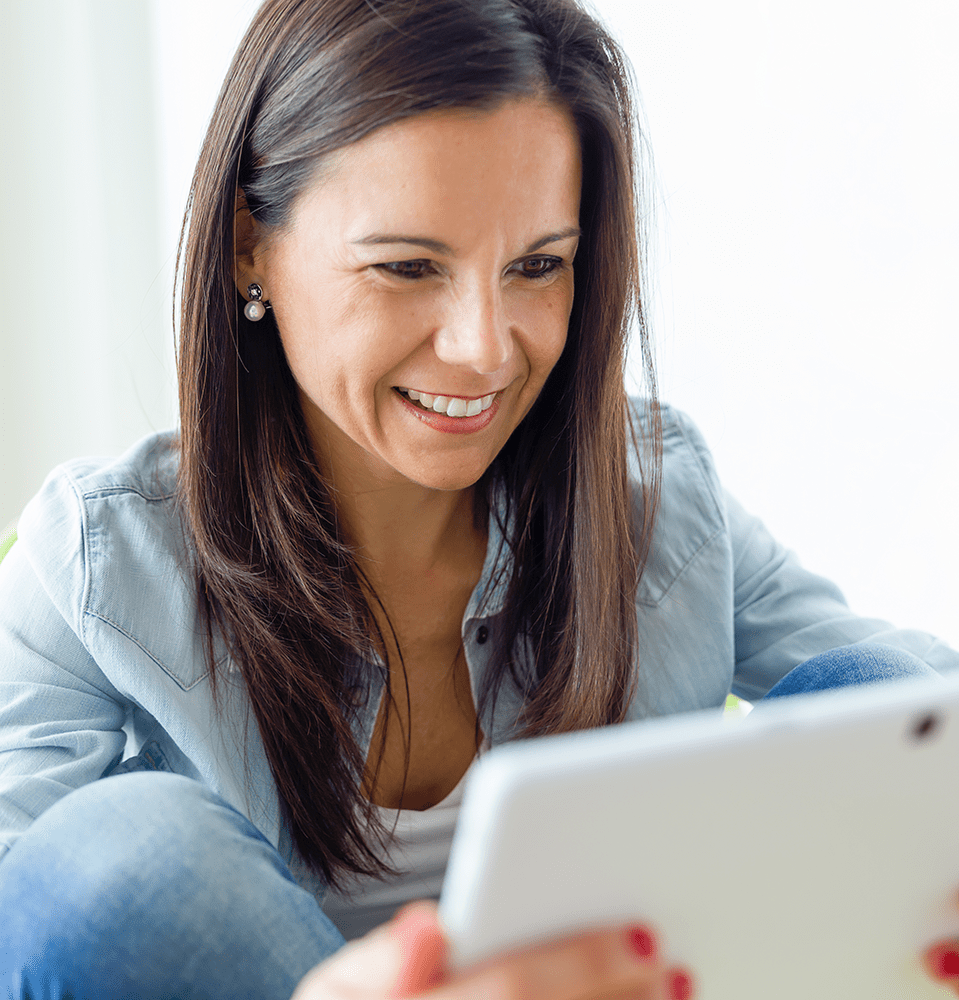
147 886
862 663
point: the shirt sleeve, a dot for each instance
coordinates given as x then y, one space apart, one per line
784 614
61 721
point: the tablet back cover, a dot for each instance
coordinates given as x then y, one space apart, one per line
811 850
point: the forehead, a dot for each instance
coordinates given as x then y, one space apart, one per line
518 162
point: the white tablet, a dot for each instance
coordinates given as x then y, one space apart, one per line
807 852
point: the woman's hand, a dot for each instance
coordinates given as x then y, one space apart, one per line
407 958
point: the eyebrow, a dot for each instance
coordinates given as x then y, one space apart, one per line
435 246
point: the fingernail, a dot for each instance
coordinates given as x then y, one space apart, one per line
641 942
945 962
680 986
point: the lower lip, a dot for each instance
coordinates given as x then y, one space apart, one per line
452 425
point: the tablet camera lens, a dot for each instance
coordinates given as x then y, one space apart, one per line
926 726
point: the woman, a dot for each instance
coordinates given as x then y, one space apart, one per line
404 519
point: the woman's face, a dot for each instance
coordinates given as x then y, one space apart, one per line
422 290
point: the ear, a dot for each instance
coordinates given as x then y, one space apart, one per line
247 240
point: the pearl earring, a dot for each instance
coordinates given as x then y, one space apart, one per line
255 310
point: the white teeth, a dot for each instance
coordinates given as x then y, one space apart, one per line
451 406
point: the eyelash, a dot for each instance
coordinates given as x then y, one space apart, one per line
556 264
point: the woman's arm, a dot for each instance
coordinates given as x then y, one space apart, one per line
784 614
406 958
61 721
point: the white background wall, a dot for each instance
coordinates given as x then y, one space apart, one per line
805 272
85 340
807 157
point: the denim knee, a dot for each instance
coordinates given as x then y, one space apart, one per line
102 856
148 884
845 666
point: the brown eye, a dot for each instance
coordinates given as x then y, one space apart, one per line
540 267
410 269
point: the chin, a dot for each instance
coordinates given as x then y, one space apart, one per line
447 483
447 479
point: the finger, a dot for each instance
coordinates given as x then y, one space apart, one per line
398 959
601 964
942 963
422 946
366 967
679 985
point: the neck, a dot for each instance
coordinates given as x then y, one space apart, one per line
397 527
410 529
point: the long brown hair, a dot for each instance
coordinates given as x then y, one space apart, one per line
276 577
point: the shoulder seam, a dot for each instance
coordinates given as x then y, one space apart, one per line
711 482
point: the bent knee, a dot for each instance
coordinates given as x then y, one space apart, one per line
105 846
128 873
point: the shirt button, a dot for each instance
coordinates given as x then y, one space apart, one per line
482 634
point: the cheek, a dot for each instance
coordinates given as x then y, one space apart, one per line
305 345
333 336
548 325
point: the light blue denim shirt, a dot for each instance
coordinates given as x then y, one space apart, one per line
103 656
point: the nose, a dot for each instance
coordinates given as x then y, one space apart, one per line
476 333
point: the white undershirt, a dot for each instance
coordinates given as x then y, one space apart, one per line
420 849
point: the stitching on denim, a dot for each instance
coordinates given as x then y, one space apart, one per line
153 754
108 491
136 642
84 553
676 420
703 472
679 573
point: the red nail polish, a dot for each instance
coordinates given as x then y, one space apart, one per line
945 962
641 942
680 986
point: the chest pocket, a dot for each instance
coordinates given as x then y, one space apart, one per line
141 609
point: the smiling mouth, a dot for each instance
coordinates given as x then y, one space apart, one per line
449 406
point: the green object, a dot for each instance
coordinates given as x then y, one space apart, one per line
736 708
7 537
